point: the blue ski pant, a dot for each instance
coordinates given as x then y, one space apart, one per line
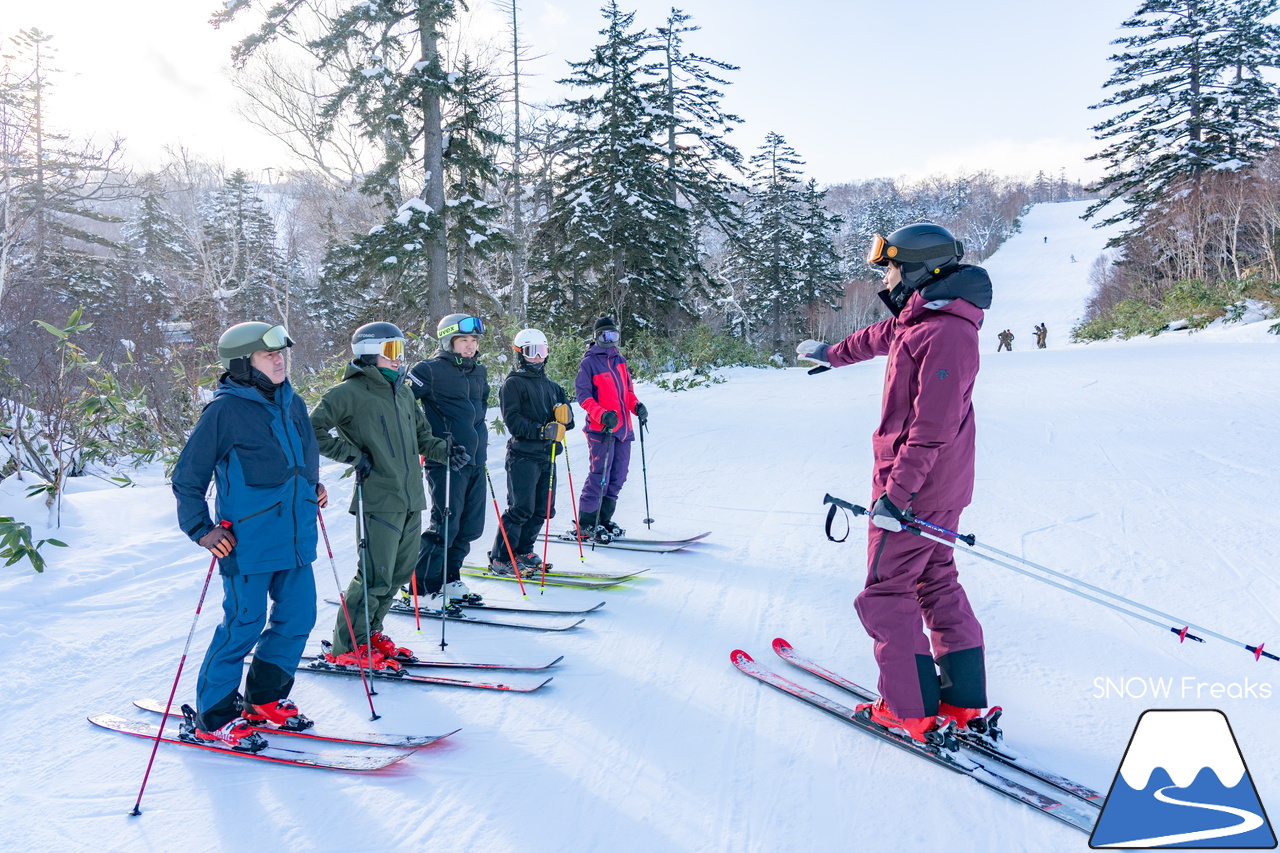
292 598
604 482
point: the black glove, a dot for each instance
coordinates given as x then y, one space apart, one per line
364 467
609 420
459 458
218 540
642 413
886 515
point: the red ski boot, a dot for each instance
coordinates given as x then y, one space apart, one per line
972 719
282 714
388 649
237 735
917 727
359 656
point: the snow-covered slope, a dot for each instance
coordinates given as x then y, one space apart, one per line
1143 466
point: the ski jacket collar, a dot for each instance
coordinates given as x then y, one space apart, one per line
229 387
371 373
466 365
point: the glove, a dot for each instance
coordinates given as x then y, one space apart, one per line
609 420
553 432
459 458
815 351
219 541
322 496
562 414
364 467
642 413
887 516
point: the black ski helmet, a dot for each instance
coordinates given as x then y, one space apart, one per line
923 250
367 341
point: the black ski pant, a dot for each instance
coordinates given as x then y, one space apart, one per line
528 480
440 561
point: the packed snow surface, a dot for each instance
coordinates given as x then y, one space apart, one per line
1146 467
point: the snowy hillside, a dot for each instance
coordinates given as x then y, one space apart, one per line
1146 467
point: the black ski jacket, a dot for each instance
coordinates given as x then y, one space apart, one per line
528 399
455 398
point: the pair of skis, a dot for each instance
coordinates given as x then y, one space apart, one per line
394 747
560 577
985 761
631 543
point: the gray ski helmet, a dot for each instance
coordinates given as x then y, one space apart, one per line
453 325
923 250
244 339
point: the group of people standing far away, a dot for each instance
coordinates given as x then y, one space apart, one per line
1006 338
924 449
1042 336
257 443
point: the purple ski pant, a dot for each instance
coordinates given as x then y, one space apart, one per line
912 582
600 446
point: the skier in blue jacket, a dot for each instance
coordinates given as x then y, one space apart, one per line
255 441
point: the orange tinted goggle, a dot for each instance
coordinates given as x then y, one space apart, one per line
880 252
393 350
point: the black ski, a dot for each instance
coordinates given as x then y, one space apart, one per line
1074 814
319 666
277 755
362 739
970 741
471 617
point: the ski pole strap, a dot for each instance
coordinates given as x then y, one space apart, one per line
837 503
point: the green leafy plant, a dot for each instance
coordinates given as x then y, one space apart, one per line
16 544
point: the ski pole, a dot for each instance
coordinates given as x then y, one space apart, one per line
644 471
1183 633
444 548
604 477
362 542
346 613
582 558
173 690
502 527
546 538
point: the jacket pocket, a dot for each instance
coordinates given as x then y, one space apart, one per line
386 433
277 506
262 465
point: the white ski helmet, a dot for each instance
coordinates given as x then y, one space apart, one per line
531 343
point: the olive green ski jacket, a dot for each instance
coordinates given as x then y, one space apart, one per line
370 414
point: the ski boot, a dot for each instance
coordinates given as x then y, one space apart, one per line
458 592
501 566
925 730
589 529
387 647
973 720
282 714
607 506
236 734
360 657
531 564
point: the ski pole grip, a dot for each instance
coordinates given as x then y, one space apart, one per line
837 503
224 524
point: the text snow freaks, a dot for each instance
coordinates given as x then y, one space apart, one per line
1187 687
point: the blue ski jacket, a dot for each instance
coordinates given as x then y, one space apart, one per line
263 457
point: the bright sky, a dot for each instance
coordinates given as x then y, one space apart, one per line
860 90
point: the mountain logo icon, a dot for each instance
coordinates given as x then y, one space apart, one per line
1183 783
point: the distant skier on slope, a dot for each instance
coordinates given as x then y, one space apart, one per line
924 456
1042 336
254 439
1006 341
536 412
605 392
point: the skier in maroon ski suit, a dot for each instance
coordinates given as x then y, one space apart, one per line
924 457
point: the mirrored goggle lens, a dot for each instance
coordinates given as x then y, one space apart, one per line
393 350
465 326
876 255
277 337
611 336
534 350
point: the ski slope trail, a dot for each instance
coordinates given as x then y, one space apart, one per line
1146 467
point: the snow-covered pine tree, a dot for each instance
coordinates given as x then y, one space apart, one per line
1191 98
471 169
615 241
395 90
161 259
786 258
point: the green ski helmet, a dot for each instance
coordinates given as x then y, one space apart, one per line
244 339
454 325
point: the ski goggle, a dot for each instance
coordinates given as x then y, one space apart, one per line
465 326
534 350
609 336
393 350
880 252
277 337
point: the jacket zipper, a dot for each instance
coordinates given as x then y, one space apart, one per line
276 506
400 428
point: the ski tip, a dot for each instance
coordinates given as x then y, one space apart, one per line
781 645
556 661
738 656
